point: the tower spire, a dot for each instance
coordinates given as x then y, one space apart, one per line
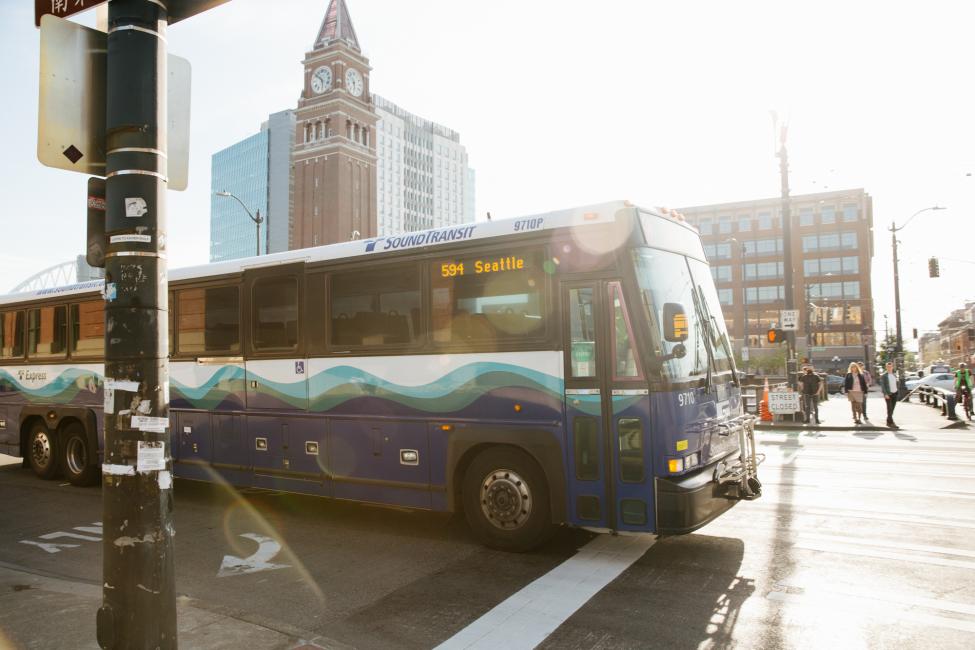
337 25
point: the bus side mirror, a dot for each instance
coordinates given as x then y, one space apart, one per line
675 322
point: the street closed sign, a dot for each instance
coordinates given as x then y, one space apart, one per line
782 402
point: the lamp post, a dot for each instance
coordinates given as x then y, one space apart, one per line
899 350
744 299
257 220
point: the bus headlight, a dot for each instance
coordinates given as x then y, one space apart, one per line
692 460
675 465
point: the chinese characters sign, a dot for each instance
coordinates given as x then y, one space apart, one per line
61 8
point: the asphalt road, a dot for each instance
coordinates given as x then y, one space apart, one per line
860 540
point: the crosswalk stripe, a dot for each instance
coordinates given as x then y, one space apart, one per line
529 616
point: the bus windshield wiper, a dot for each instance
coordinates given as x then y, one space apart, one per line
706 326
713 323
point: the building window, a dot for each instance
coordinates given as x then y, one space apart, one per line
849 213
88 328
827 215
764 220
726 296
724 225
756 247
764 294
705 226
851 290
806 217
11 335
851 265
721 273
848 241
764 271
745 223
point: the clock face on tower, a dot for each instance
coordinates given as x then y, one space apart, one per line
353 81
321 79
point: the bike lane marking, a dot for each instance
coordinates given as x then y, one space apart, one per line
529 616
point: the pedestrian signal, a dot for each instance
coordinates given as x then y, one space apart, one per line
776 335
934 271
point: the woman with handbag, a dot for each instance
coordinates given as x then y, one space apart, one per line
855 387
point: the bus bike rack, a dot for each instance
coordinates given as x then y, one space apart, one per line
740 480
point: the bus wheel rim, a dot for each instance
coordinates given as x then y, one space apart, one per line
41 449
76 456
506 499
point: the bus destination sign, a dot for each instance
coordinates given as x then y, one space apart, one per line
492 265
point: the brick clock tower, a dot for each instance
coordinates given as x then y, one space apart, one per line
334 156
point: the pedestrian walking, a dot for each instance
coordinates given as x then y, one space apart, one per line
810 382
869 379
888 384
855 386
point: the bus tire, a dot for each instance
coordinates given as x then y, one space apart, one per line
42 451
506 500
77 457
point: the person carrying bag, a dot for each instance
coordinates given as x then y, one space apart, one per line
855 387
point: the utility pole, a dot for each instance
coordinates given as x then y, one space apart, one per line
139 604
790 335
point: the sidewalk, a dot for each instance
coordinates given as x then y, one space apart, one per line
835 415
41 611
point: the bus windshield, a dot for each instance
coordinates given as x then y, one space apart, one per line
666 277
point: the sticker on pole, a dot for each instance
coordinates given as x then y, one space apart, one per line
151 456
147 423
136 207
124 239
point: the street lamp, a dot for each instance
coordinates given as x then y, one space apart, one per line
744 299
257 220
899 351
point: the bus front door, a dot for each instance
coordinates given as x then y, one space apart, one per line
607 411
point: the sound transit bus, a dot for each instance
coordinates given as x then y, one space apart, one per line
564 368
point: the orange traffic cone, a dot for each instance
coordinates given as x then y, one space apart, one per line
763 412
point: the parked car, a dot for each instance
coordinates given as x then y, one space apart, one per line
943 380
834 383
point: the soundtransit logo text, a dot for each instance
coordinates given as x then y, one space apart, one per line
421 238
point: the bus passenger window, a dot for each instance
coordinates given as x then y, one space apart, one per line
378 307
47 332
488 298
585 442
275 313
11 335
88 329
209 320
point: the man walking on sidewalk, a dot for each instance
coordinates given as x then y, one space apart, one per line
888 384
810 394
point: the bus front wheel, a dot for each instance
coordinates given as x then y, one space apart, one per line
77 459
42 451
506 500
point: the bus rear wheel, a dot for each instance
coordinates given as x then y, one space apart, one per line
506 500
42 451
78 457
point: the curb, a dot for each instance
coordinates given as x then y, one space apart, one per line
793 427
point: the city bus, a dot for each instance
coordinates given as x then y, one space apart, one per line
567 368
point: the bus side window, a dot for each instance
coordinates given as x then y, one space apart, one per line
88 328
275 313
47 332
11 335
209 320
376 307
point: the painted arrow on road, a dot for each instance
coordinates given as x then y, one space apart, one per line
259 561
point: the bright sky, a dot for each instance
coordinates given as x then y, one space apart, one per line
565 102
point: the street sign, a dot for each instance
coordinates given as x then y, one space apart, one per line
61 8
744 354
71 107
790 319
177 9
783 402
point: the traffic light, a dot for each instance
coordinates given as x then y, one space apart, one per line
934 271
775 335
915 332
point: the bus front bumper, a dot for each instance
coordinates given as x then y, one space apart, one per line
685 503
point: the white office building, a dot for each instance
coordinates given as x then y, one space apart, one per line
423 177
